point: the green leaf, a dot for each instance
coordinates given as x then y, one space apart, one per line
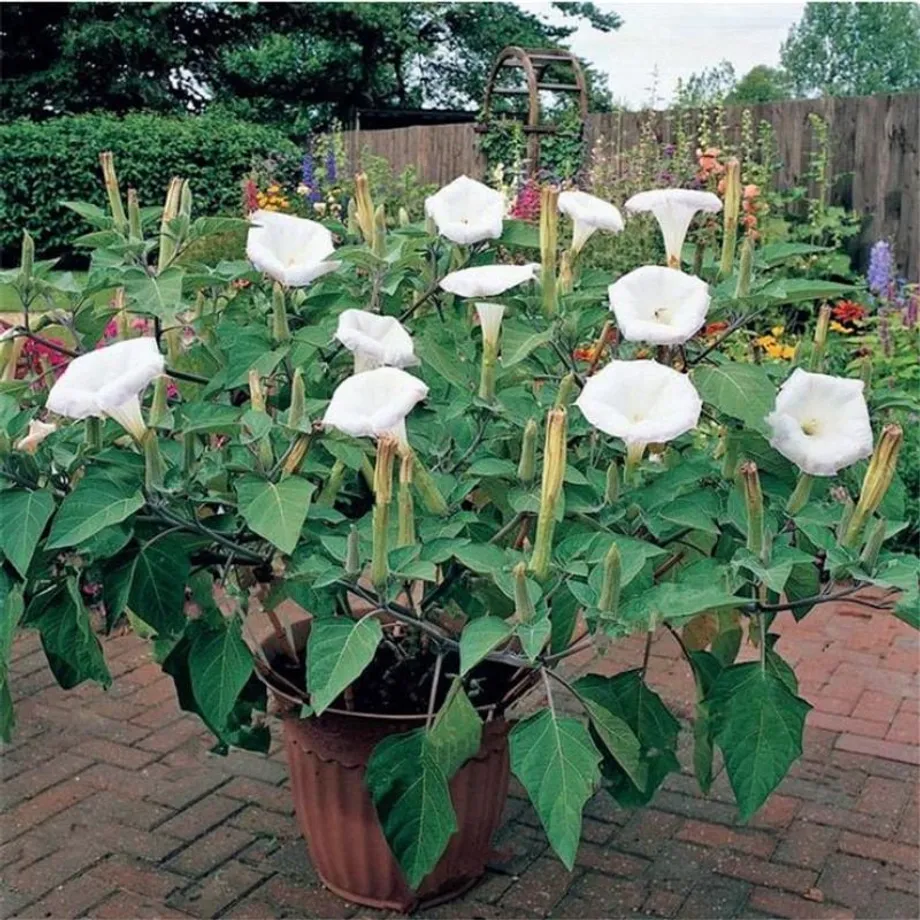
696 511
456 733
741 391
479 637
557 763
706 669
410 792
482 558
23 516
520 233
535 634
102 497
276 511
774 253
800 290
11 610
519 342
220 665
602 704
159 295
338 651
493 466
73 651
446 364
758 724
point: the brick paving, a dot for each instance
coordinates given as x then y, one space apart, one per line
113 807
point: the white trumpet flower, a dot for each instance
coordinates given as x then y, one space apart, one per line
642 402
488 280
674 209
292 250
375 403
821 423
490 319
38 431
375 340
109 382
588 213
466 211
662 306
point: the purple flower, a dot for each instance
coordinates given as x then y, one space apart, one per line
308 176
912 311
331 170
669 150
881 269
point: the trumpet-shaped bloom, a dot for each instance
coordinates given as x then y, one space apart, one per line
289 249
375 403
488 280
662 306
375 340
674 209
490 319
821 423
641 402
38 431
588 213
108 382
466 211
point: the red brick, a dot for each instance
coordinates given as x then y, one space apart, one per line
269 823
764 873
647 832
31 782
72 899
910 704
717 835
843 818
251 908
620 896
216 892
209 851
301 900
138 876
876 707
834 723
806 844
905 729
882 850
124 904
126 783
249 790
200 817
608 860
832 705
119 755
777 812
171 736
178 787
889 750
545 883
27 848
662 903
782 904
157 716
35 810
54 869
883 797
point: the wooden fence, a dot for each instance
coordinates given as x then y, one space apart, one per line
874 156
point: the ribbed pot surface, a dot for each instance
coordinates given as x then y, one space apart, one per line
327 757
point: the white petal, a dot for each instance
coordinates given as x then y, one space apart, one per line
588 209
38 431
374 403
289 249
490 318
128 415
376 340
640 401
674 209
488 280
821 423
466 211
662 306
102 381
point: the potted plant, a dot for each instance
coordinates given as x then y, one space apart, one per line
436 451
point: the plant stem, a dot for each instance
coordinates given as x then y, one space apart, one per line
434 689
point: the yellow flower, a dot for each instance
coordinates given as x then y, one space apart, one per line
765 341
839 327
778 331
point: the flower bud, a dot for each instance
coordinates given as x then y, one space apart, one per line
27 259
800 494
527 465
753 500
189 445
490 321
406 508
330 490
352 553
612 488
428 491
364 207
297 410
820 344
383 491
869 556
294 458
160 416
549 241
745 268
256 392
609 600
352 222
112 191
730 216
380 232
167 234
554 456
876 481
865 372
93 436
185 200
524 610
634 454
729 444
154 469
566 275
135 231
846 515
564 395
281 332
403 217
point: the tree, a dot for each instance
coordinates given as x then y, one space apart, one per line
843 49
759 84
707 87
287 63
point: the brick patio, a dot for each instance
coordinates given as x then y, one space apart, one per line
113 807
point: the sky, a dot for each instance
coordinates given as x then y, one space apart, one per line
679 39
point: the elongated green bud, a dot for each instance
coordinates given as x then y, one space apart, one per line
256 392
403 217
297 454
634 453
612 488
93 437
354 228
189 449
865 372
566 387
609 600
364 207
160 416
566 274
27 259
699 253
524 610
297 410
281 332
167 235
406 508
876 481
800 494
380 232
154 468
383 493
333 484
135 231
527 465
753 499
185 200
352 554
729 453
869 556
428 491
745 268
112 191
820 343
730 216
846 515
554 457
549 241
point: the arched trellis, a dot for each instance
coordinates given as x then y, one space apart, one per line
535 64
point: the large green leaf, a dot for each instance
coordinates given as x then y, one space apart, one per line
801 290
757 724
409 788
706 669
159 295
104 496
73 651
276 511
23 516
456 733
519 341
11 610
741 391
220 664
557 763
480 637
338 650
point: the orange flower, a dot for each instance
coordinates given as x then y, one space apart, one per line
848 311
751 191
715 328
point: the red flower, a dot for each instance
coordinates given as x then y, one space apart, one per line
715 328
848 311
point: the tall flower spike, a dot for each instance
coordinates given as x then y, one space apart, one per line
588 214
674 208
291 250
375 340
466 211
108 382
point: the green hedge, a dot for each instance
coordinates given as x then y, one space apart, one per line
43 163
